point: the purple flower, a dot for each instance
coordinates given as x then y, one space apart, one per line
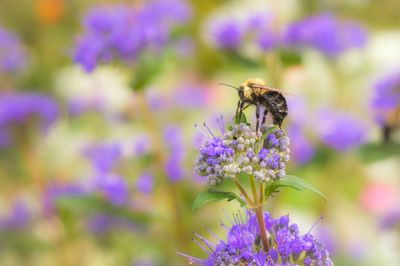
391 219
12 55
301 148
104 223
228 35
22 108
242 247
145 183
113 187
58 190
18 217
325 33
142 145
104 157
174 164
386 96
242 150
258 28
341 131
123 32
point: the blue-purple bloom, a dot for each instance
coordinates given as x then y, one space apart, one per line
21 108
18 217
104 157
234 33
145 183
302 149
174 164
55 191
103 223
242 150
341 131
113 187
242 246
13 57
325 33
386 96
228 35
124 32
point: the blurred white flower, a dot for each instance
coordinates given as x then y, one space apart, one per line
105 89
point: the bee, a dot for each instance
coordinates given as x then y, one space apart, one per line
255 92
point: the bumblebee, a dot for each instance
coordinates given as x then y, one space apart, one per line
255 92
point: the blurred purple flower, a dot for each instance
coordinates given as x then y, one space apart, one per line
142 145
114 188
228 35
104 157
145 183
54 191
257 28
341 131
302 150
391 220
386 96
124 32
325 33
13 57
18 217
191 96
20 108
174 164
104 223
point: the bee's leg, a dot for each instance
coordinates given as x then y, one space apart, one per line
241 105
257 117
264 116
237 108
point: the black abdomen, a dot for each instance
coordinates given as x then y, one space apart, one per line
276 105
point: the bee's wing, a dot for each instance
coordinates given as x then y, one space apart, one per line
274 89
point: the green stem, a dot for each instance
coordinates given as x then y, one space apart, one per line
263 230
243 192
259 213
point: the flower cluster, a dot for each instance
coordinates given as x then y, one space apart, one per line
19 108
232 34
325 33
243 150
341 131
124 32
12 55
322 32
104 158
386 97
242 246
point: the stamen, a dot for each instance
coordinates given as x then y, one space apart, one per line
213 234
315 223
228 218
201 130
205 125
220 121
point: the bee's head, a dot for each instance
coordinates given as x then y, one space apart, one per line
250 86
253 83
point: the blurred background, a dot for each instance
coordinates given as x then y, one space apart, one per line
98 101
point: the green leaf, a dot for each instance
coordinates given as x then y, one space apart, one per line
213 195
378 151
292 182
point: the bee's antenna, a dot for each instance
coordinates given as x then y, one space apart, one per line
223 84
